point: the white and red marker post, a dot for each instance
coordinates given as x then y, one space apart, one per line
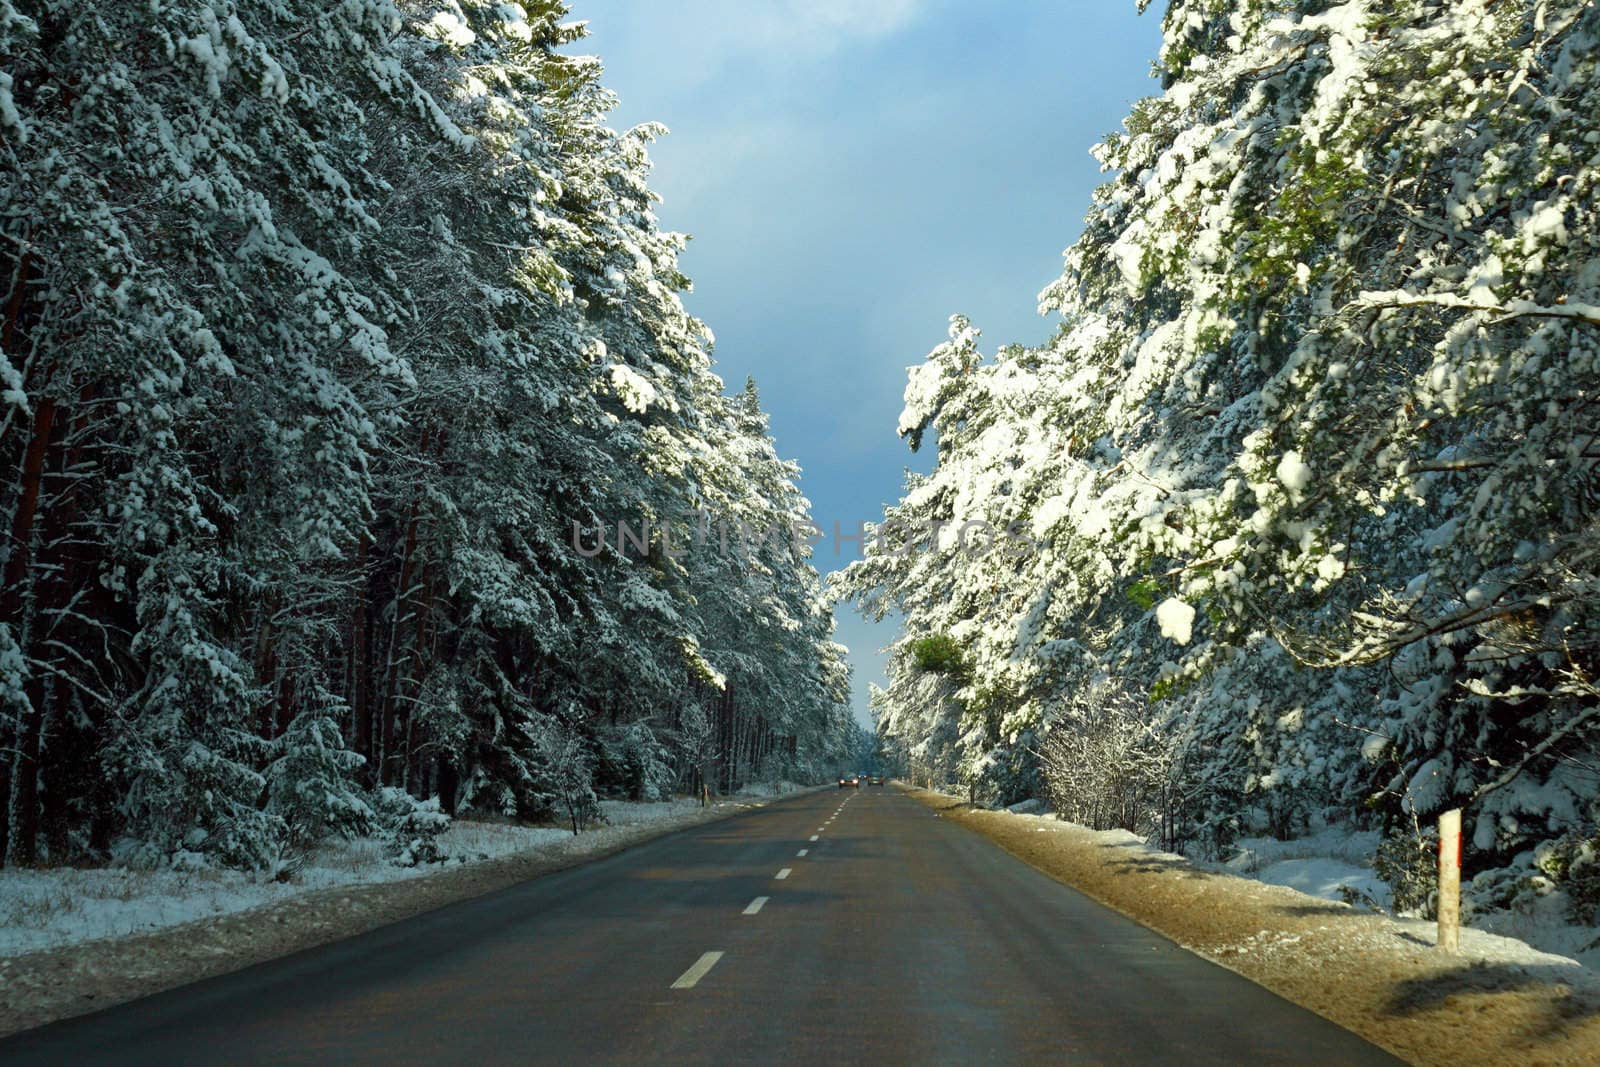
1450 881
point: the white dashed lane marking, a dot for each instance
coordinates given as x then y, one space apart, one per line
690 978
813 837
755 905
781 875
802 852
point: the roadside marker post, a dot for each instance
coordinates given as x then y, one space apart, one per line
1450 881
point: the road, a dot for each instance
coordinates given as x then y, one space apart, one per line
844 926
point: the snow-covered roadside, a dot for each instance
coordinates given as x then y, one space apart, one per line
44 909
78 940
1335 864
1498 1001
1332 864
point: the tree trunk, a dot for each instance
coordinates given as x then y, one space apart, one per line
418 664
22 800
361 666
44 416
8 334
392 668
449 784
56 774
5 816
725 740
266 673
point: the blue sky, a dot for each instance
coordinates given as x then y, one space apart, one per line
853 172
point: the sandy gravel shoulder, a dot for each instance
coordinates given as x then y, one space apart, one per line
1498 1002
57 983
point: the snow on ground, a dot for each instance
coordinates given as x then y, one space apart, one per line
43 909
1543 924
770 789
1325 878
1334 864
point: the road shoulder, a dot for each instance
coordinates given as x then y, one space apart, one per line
1379 978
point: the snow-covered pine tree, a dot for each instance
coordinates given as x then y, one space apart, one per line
322 328
1311 456
175 355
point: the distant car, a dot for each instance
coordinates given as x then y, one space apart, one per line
876 779
851 780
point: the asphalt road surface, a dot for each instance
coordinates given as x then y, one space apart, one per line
846 926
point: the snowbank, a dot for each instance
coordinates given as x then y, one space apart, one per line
1333 864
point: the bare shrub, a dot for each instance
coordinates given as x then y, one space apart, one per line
1107 764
